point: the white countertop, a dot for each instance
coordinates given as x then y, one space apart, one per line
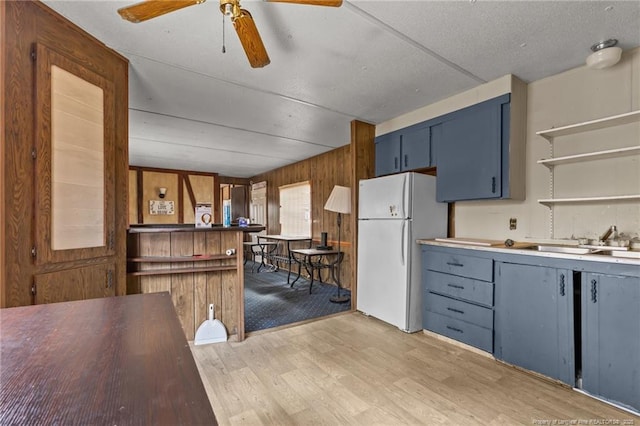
520 249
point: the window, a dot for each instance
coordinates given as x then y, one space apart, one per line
295 209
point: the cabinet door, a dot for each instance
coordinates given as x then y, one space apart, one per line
75 161
534 319
388 154
470 154
416 152
611 337
89 282
435 139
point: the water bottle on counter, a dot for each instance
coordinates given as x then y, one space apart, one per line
226 213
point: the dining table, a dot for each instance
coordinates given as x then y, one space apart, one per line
315 260
282 252
109 361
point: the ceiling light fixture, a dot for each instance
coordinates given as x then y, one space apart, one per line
605 54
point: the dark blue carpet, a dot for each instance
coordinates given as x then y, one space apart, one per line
270 302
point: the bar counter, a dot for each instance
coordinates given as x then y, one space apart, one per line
197 266
109 361
190 227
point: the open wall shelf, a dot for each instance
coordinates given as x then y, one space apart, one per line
601 123
550 201
620 152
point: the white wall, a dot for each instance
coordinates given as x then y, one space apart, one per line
570 97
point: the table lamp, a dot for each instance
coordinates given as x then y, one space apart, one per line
339 201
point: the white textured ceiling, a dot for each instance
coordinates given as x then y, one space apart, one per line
193 107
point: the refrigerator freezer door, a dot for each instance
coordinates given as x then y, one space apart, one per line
387 197
383 279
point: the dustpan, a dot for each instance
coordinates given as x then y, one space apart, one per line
210 331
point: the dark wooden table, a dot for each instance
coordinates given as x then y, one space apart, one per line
110 361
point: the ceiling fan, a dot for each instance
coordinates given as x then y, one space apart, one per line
241 19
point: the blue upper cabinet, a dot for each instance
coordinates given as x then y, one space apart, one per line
473 152
403 150
479 151
416 148
388 153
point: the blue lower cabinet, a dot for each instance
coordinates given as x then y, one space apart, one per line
611 338
574 321
534 319
458 309
467 289
471 334
458 296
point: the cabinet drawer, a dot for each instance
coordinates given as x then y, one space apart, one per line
480 292
458 309
459 264
461 331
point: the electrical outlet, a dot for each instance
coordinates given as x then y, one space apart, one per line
513 223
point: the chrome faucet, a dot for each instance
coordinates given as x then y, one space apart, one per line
613 230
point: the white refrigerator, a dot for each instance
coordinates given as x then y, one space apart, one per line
393 212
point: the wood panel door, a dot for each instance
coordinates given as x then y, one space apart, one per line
239 203
88 282
75 156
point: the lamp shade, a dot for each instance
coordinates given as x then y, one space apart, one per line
339 200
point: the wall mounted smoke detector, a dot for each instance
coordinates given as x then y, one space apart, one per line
605 54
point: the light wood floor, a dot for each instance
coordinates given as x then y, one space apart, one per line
353 370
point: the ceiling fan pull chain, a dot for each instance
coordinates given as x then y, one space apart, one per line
224 50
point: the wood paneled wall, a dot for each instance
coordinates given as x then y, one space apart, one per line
343 166
3 76
181 186
23 24
363 165
192 292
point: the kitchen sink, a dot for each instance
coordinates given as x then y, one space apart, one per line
564 249
633 254
600 250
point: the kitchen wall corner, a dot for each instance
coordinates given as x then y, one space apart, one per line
574 96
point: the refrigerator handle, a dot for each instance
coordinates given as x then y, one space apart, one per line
404 223
404 187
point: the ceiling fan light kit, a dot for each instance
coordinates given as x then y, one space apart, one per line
241 18
605 54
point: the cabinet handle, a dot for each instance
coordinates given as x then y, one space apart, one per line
455 329
562 285
594 291
493 185
455 264
405 161
457 311
395 162
111 243
109 278
456 286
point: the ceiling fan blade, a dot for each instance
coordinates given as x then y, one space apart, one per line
250 39
332 3
150 9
